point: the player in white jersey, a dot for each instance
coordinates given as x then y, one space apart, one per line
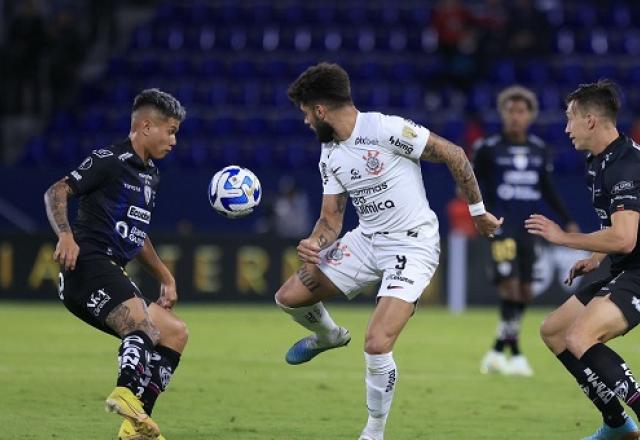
375 160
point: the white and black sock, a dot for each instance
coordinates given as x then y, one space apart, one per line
314 318
380 378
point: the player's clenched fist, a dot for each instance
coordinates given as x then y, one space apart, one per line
487 224
308 251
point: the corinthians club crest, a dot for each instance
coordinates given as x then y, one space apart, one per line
374 165
335 255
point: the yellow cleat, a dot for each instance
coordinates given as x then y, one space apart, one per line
128 432
122 401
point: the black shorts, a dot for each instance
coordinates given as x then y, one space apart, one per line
624 288
94 288
513 256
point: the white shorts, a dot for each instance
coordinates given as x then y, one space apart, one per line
403 262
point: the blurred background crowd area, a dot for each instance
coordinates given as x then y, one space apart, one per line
71 69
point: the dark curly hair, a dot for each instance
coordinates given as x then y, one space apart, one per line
323 83
161 101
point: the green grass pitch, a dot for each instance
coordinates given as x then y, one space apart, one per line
55 372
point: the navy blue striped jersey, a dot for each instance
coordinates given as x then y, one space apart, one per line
117 197
515 178
613 177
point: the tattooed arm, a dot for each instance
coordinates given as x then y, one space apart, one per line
55 201
327 228
439 149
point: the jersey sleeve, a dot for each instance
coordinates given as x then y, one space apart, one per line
330 184
92 172
624 188
403 136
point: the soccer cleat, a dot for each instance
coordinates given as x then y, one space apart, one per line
309 347
494 362
122 401
628 431
519 366
128 432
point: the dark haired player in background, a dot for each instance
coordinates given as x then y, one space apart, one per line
117 189
514 172
577 331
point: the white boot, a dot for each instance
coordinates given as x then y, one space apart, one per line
494 362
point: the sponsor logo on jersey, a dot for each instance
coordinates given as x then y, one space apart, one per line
355 174
625 185
131 187
102 153
76 175
323 172
337 254
370 190
366 141
408 132
517 192
86 164
145 176
373 207
97 301
374 165
125 156
139 214
396 277
602 214
400 144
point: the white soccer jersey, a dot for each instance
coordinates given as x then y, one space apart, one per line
379 166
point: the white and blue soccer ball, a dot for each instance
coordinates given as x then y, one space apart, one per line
234 191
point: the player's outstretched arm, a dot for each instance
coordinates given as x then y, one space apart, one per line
149 258
327 228
620 238
55 202
582 267
440 150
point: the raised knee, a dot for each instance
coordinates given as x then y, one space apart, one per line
576 343
284 297
377 344
547 332
181 332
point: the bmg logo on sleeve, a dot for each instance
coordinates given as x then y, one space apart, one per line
139 214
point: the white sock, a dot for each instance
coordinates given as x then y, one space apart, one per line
315 318
381 378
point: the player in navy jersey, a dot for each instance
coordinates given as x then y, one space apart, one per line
514 171
117 188
577 331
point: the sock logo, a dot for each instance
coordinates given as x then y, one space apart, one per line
622 389
131 352
392 381
603 392
311 318
636 395
165 376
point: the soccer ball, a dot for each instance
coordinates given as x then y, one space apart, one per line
234 191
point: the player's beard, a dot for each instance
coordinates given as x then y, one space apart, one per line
324 131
